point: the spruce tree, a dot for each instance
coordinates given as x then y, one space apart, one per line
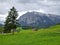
10 23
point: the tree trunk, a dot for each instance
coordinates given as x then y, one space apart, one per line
13 31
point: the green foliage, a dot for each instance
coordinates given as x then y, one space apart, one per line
1 28
48 36
10 22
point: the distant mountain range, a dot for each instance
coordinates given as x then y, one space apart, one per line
1 24
36 19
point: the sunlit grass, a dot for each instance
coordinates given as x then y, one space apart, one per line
48 36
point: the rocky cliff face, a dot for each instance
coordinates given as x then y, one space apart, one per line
36 19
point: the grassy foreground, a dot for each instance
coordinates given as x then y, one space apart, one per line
49 36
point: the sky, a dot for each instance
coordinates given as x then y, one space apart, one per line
22 6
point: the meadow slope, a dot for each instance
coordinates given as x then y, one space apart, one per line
49 36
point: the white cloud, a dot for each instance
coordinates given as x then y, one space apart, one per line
21 13
3 16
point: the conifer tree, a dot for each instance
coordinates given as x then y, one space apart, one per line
10 23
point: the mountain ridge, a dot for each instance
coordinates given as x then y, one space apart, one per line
36 19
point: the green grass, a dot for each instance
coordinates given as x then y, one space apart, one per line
49 36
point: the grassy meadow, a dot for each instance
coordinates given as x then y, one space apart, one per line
48 36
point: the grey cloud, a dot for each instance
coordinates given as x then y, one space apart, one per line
28 1
54 0
3 1
50 6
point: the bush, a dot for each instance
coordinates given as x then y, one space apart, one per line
1 29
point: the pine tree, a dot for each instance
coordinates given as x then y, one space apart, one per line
10 23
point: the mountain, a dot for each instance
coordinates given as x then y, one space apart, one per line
36 19
1 24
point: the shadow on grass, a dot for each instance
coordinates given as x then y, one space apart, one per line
8 34
53 34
